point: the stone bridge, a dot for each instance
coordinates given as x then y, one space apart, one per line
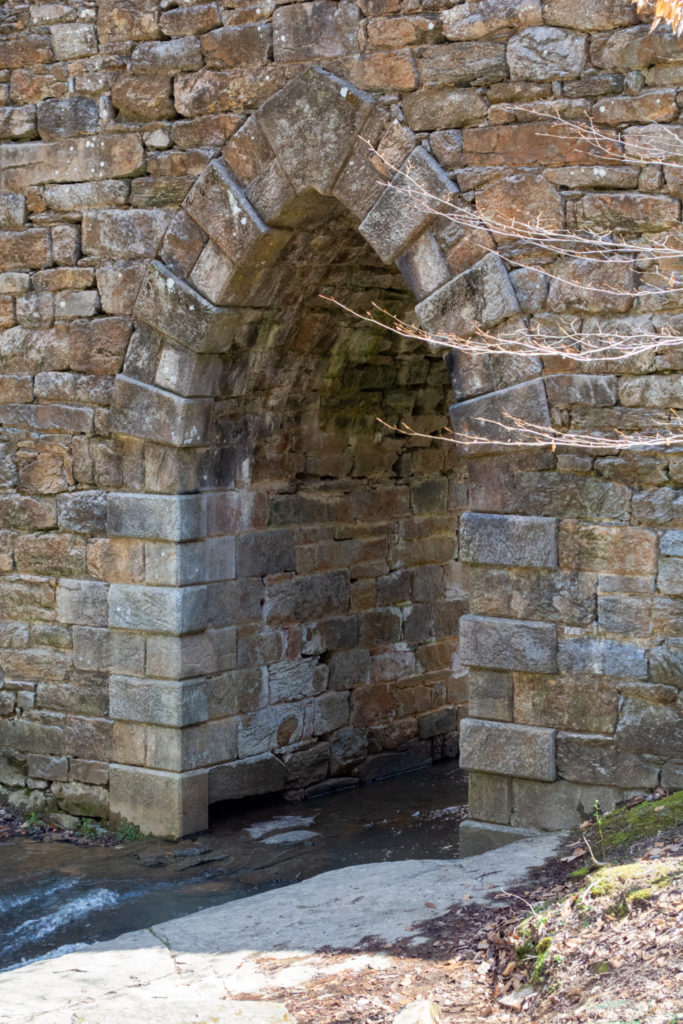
220 576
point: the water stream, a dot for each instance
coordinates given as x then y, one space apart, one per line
55 894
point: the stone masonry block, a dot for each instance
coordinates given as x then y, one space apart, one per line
316 28
141 410
158 701
172 307
82 602
508 540
558 805
173 610
481 296
294 599
597 760
161 803
123 234
602 658
490 797
177 565
198 654
407 205
249 777
590 547
490 695
312 125
70 160
265 553
177 517
222 210
508 644
482 424
522 751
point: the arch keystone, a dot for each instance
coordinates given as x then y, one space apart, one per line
312 125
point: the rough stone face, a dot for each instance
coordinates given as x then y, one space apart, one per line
546 53
508 644
508 540
505 749
476 21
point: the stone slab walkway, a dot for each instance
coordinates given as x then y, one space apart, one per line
219 965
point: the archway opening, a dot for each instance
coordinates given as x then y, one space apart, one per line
345 539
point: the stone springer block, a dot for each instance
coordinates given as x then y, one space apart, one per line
501 748
171 306
142 410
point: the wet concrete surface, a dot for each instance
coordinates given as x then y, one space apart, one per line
55 894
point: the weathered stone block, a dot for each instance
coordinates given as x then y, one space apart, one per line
161 803
158 701
558 805
508 540
331 711
504 749
250 777
176 564
490 798
157 609
479 20
105 156
237 46
479 297
490 695
406 205
82 602
434 108
123 234
293 599
508 644
589 15
190 656
313 123
650 728
566 703
545 53
189 21
316 28
262 554
144 411
602 658
589 547
172 307
666 663
73 40
598 760
178 517
475 62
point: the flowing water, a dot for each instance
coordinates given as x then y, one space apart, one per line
55 894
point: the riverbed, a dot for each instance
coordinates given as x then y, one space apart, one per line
55 894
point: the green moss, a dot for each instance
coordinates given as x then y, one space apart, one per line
623 827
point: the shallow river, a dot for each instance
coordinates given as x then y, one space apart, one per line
55 894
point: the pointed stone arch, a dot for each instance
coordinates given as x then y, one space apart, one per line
308 140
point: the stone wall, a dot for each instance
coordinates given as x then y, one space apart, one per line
220 575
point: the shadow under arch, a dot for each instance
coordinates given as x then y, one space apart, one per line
190 692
